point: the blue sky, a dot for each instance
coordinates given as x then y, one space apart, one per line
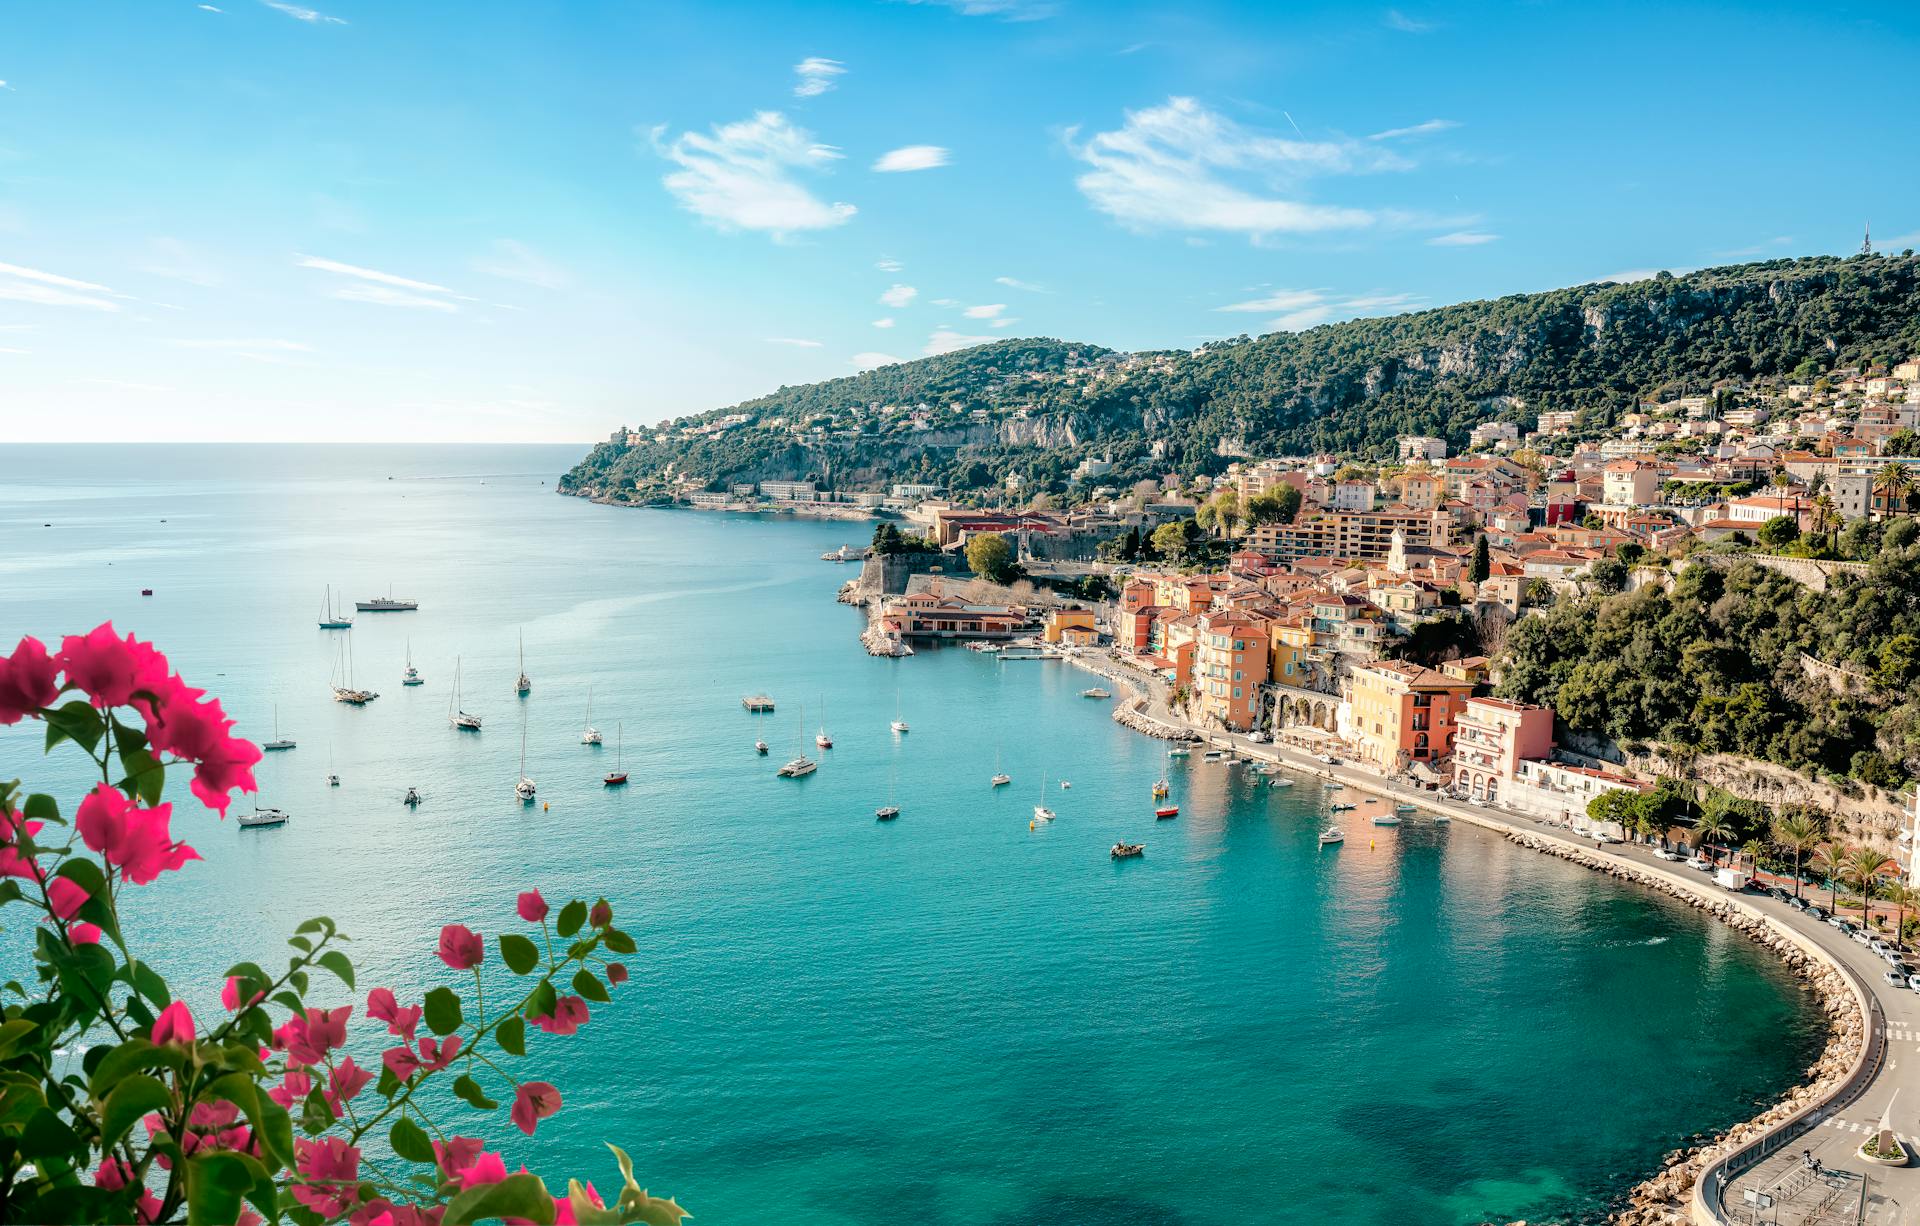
480 221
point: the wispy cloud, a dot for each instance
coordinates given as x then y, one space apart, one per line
1183 167
1016 283
986 311
1627 276
13 349
1005 10
1463 238
19 284
302 13
816 76
385 288
1394 19
1767 247
883 323
1304 308
911 157
796 341
257 346
867 361
899 296
209 8
1418 129
946 340
889 264
515 261
741 176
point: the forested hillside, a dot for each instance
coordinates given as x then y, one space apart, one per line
1035 407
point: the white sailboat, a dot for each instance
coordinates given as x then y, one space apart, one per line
278 741
523 684
524 789
1040 812
330 620
821 738
343 689
890 810
1000 779
457 716
590 735
261 818
618 774
800 764
899 725
412 675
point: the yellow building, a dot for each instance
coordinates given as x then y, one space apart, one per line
1287 644
1403 713
1060 621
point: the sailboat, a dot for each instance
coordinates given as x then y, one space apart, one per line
330 620
1000 779
618 774
278 741
412 675
344 689
333 780
455 714
1040 812
800 764
590 735
524 788
888 811
899 725
261 818
523 683
821 738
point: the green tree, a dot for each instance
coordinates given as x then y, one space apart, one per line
1861 870
1711 829
1779 532
1902 442
1894 481
1278 505
1170 540
1482 560
886 538
990 557
1607 575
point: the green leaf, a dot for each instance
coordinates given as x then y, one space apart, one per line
135 1096
585 1212
217 1180
443 1011
276 1134
131 1056
545 1000
299 981
148 983
41 808
572 916
619 942
290 1001
301 943
98 909
634 1203
470 1092
47 1136
242 1091
388 1085
588 985
146 778
13 1032
511 1035
315 1115
77 721
318 923
516 1196
338 963
410 1141
520 954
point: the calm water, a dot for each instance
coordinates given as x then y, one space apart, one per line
945 1020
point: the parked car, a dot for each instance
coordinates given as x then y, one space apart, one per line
1844 926
1257 737
1874 943
1895 978
1777 893
1894 959
1700 863
1329 759
1661 853
1797 903
1816 913
1861 935
1836 921
1913 981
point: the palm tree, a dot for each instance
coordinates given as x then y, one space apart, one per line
1895 481
1863 867
1828 858
1711 828
1903 897
1825 514
1751 849
1797 835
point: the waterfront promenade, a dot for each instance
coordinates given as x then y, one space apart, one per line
1830 1135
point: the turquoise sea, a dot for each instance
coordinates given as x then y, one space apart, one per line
950 1019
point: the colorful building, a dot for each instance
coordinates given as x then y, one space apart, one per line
1492 737
1061 621
1230 666
1404 713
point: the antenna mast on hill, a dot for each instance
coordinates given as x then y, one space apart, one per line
1866 241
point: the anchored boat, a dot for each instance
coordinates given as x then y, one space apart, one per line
1128 851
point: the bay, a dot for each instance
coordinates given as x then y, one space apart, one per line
949 1019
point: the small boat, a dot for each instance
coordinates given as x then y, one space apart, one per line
1278 781
1441 819
457 716
1128 851
760 747
278 741
524 789
618 774
846 553
1214 755
1096 692
1159 789
1179 751
523 684
1405 806
344 689
1166 811
796 767
1386 819
1042 814
330 620
387 604
1331 835
887 813
333 781
411 799
1064 785
890 810
147 591
1001 781
898 725
590 735
821 738
757 702
1000 778
412 675
262 818
1341 808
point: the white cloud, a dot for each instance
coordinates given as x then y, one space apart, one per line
946 302
13 349
1463 238
1003 323
1005 10
946 340
370 274
911 157
1627 276
175 260
888 264
816 75
381 295
1304 308
986 311
209 8
257 346
800 342
740 177
867 361
1418 129
883 323
1016 283
1397 20
18 284
301 13
385 288
515 261
1183 167
899 296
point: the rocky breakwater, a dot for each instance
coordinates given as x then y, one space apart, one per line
1663 1198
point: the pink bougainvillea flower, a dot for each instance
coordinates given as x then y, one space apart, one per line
26 681
616 973
330 1169
134 838
569 1014
382 1007
486 1167
600 914
293 1089
13 828
112 1175
308 1039
461 947
348 1079
563 1206
400 1061
64 898
435 1056
227 769
82 934
212 1116
533 1101
174 1025
532 907
105 666
456 1154
230 993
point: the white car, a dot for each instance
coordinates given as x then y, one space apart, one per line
1913 981
1661 853
1328 758
1699 862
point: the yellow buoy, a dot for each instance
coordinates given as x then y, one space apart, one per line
546 806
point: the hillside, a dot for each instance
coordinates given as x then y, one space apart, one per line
1036 407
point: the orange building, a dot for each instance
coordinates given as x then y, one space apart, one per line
1403 713
1074 624
1230 666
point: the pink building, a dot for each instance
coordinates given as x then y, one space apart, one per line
1492 736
